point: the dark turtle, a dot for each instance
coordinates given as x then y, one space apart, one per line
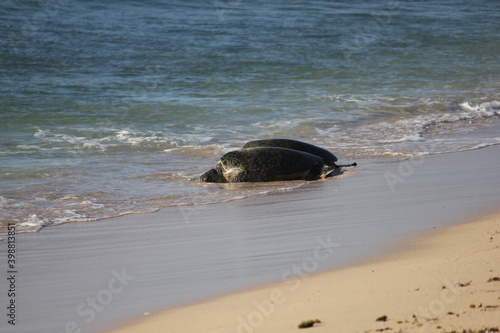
328 158
266 164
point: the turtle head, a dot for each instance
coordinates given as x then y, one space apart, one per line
213 176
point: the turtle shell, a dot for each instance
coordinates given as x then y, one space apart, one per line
269 164
328 157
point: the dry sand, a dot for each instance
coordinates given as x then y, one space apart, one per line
443 281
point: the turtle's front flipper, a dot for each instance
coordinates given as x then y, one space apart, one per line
329 172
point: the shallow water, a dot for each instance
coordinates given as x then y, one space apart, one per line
111 108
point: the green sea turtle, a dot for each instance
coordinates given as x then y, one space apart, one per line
328 158
265 164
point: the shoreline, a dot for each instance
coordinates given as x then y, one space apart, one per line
446 280
183 256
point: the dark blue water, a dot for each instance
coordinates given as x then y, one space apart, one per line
115 107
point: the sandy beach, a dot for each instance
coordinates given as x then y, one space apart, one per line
323 250
445 281
111 111
437 280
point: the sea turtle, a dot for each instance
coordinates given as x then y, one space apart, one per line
328 158
263 164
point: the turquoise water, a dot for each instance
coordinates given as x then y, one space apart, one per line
111 108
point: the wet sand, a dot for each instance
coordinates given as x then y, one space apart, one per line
96 276
448 281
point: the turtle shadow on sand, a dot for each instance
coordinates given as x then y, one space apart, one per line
274 160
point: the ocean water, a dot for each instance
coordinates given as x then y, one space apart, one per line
116 107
